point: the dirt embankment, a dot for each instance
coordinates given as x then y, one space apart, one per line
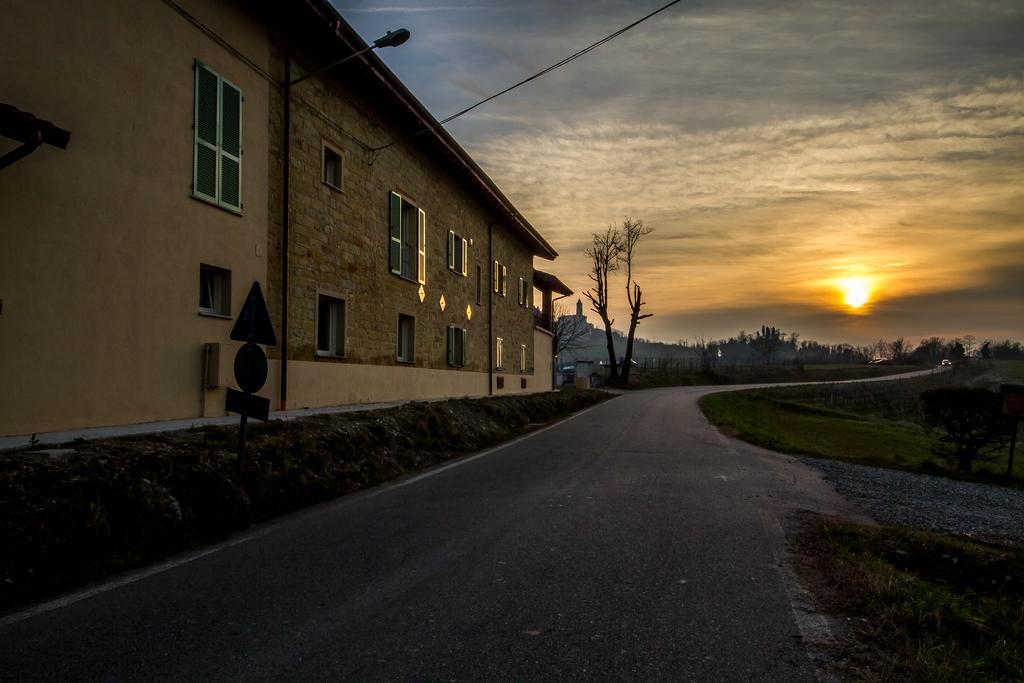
119 503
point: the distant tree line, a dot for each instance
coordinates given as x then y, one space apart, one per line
771 346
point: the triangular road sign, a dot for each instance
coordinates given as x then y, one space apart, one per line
253 323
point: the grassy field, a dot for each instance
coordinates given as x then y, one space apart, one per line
923 607
877 423
1006 372
641 378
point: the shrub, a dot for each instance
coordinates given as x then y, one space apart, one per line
971 419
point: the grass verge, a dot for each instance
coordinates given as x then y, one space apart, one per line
641 378
119 503
924 607
874 423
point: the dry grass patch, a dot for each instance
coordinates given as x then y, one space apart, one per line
924 607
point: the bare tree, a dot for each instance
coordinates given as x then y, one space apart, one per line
879 349
604 259
970 341
569 329
767 342
632 231
897 349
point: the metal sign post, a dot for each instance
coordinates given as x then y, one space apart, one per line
253 327
1013 406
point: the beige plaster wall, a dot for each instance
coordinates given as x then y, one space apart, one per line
321 384
543 359
100 244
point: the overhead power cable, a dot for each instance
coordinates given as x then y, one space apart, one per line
556 65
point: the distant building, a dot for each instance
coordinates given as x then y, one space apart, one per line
579 317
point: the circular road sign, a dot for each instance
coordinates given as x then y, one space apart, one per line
250 368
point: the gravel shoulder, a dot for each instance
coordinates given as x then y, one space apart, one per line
926 502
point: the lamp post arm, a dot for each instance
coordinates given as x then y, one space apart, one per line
322 69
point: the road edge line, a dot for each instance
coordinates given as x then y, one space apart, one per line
138 575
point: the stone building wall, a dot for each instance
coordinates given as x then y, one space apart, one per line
339 240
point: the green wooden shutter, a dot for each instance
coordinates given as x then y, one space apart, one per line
395 221
421 248
451 345
465 339
230 146
205 129
504 280
451 249
465 256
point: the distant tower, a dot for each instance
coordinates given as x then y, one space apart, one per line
579 307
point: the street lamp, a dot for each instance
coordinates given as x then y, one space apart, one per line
390 39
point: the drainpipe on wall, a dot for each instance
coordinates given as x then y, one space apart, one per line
490 309
285 154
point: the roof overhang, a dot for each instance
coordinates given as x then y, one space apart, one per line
548 282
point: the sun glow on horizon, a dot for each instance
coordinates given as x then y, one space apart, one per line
856 291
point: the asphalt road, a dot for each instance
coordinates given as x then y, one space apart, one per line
630 542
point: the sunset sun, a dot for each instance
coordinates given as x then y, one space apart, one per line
856 291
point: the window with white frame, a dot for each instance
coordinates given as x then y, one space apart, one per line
332 175
457 337
499 353
217 140
330 326
214 290
458 248
524 293
408 250
406 338
522 358
499 276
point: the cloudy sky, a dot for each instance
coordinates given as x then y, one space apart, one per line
793 158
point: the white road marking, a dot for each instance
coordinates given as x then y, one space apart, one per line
813 626
125 580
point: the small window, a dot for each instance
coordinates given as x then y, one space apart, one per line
457 253
332 168
496 276
500 277
406 338
408 249
499 353
523 296
522 358
214 291
330 326
457 346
